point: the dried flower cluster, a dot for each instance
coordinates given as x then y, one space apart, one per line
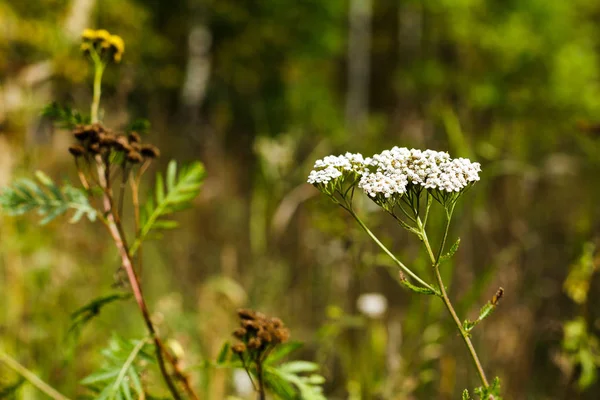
95 139
103 43
258 335
392 173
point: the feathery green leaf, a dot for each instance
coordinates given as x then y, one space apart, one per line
47 198
181 188
118 378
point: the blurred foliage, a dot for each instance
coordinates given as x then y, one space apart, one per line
507 83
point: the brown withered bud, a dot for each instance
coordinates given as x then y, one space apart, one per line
238 348
265 336
277 323
135 137
94 148
240 333
97 126
92 131
77 150
254 343
245 313
107 139
282 335
150 151
134 157
135 146
80 133
122 144
250 325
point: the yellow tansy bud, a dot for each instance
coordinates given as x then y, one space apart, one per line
88 34
102 34
118 46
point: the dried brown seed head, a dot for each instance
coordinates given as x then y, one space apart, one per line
135 137
265 335
107 139
254 343
277 323
245 313
240 333
135 146
238 348
77 150
282 335
134 157
122 144
250 325
150 151
80 133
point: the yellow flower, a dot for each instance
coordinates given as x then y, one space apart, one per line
102 35
88 34
85 47
118 46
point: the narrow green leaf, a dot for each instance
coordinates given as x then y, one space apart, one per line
165 224
450 252
282 351
223 353
159 189
299 366
171 175
99 377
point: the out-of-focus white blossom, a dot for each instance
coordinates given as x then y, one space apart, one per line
373 305
242 383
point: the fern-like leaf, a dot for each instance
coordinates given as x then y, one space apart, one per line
46 198
301 374
173 193
64 116
85 314
118 377
293 379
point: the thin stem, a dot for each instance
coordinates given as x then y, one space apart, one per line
135 198
435 260
31 377
113 224
98 71
261 383
389 253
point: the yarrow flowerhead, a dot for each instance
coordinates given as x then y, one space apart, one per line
389 175
331 172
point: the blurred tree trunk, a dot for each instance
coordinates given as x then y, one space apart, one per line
359 65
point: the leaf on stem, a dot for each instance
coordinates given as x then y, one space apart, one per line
119 377
173 193
450 252
64 116
417 289
84 314
48 199
485 311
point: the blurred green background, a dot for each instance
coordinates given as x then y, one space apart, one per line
257 90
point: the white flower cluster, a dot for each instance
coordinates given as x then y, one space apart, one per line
393 172
429 169
332 167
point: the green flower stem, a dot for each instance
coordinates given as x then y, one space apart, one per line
99 67
436 264
31 377
389 253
